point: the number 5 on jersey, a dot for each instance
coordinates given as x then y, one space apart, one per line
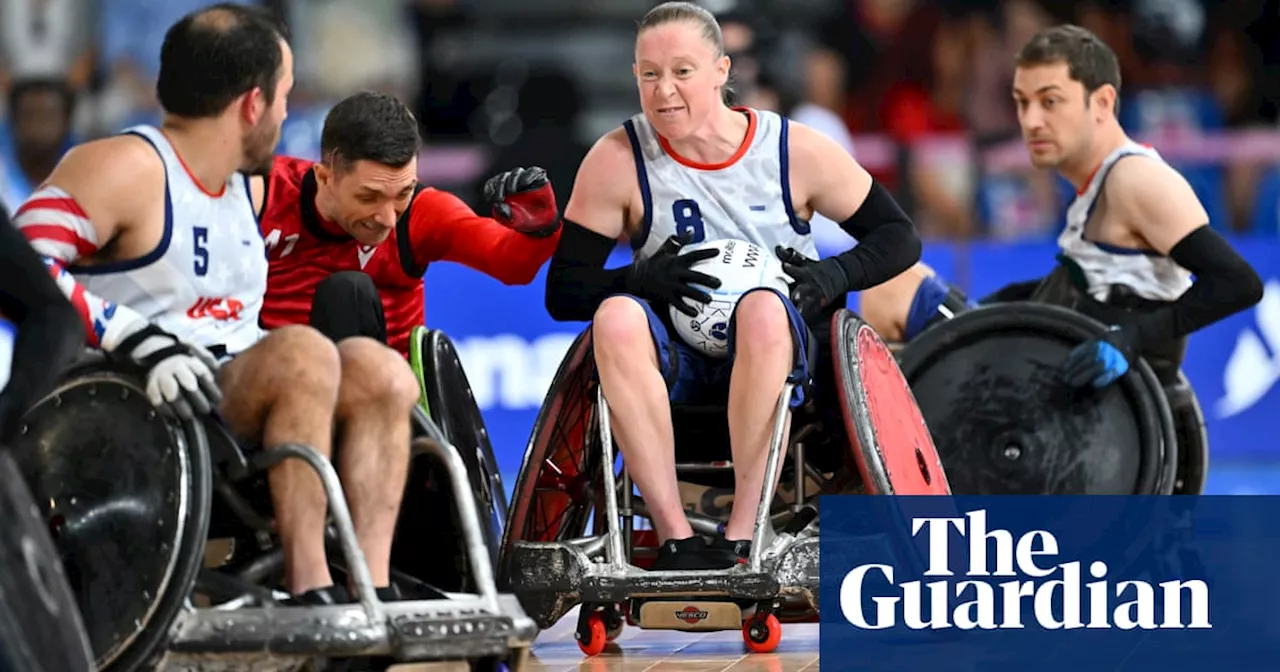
200 236
688 219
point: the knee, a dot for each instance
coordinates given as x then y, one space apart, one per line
887 306
620 326
347 304
375 376
302 361
761 324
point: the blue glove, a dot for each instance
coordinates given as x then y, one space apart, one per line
1099 361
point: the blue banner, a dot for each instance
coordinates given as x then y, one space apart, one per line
511 348
1049 583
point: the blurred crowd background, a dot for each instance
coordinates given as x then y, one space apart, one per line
918 91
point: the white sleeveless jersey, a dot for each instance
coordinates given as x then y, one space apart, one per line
206 280
747 197
1149 274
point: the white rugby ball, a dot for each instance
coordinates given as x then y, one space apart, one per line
741 266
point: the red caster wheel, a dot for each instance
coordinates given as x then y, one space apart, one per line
591 636
762 635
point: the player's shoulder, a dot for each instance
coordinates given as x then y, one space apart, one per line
109 161
1141 185
1142 175
608 163
806 142
113 179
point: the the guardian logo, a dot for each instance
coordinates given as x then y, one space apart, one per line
1055 591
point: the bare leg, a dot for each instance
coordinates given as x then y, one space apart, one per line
640 410
284 390
763 356
378 392
886 306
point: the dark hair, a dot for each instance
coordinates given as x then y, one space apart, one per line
60 87
369 126
1089 60
672 12
213 55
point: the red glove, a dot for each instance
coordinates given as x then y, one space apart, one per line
522 199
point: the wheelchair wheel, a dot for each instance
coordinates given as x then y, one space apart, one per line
1193 438
40 627
126 497
556 484
892 446
425 548
986 384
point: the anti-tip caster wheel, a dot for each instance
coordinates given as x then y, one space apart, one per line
762 633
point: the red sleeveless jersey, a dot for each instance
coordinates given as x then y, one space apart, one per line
303 249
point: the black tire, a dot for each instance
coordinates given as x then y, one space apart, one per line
184 472
40 626
963 374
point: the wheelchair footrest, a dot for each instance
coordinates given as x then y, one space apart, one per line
425 630
550 578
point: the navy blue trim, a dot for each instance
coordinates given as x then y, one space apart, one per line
160 250
784 167
1105 247
248 192
646 196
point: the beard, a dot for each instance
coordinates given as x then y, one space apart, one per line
259 149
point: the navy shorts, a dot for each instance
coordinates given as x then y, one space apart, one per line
695 378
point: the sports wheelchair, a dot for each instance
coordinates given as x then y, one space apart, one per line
1003 425
875 442
165 531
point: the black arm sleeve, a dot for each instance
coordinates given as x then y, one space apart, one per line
577 281
50 334
887 241
1224 284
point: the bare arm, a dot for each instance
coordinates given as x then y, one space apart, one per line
1156 203
833 184
603 187
594 220
97 195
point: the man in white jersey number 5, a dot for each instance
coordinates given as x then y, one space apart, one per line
152 234
692 166
1136 233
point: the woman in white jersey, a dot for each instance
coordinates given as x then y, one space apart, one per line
691 165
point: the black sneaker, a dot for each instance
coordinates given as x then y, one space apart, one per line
690 554
320 597
741 549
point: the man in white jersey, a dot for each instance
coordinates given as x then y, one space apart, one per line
1136 233
692 168
153 236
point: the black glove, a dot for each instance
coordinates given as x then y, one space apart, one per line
817 283
522 199
1100 361
666 277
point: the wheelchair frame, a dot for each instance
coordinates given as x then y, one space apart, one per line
250 631
597 571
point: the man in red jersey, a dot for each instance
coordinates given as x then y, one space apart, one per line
350 237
